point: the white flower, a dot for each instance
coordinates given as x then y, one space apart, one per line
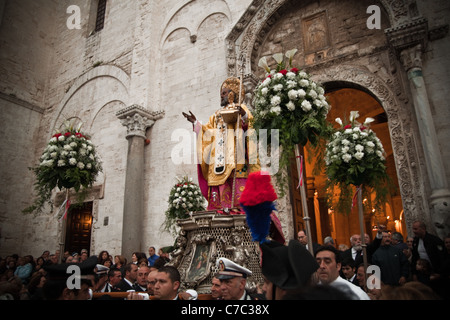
301 93
338 120
370 144
266 82
346 157
345 142
290 54
275 101
303 74
293 94
264 91
80 165
359 155
306 105
278 76
278 87
359 147
89 166
263 64
379 154
353 115
67 147
54 154
368 120
276 110
47 163
290 106
318 103
304 83
290 75
72 161
54 139
291 84
278 57
61 163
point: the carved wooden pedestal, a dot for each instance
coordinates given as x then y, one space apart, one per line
207 236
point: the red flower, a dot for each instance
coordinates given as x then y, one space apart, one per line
294 70
57 135
78 135
349 126
67 134
362 128
283 72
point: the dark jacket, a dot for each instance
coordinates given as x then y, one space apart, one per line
435 250
393 264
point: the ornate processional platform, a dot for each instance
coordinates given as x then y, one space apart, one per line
206 236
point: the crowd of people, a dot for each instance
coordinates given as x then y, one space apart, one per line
418 268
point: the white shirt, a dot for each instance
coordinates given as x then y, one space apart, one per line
422 251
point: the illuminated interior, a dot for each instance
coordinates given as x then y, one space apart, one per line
325 221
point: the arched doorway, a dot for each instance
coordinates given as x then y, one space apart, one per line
325 220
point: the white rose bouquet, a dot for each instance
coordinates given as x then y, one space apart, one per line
185 197
68 161
288 100
355 156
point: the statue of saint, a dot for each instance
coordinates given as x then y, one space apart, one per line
228 154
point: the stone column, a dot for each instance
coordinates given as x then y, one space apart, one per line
137 120
440 193
410 41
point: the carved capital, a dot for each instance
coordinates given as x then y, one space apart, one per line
138 119
408 35
411 57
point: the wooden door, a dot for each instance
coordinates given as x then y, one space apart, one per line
78 233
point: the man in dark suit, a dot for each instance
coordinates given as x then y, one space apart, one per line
303 238
129 277
348 268
356 251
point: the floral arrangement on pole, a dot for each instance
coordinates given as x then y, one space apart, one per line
185 197
355 156
290 101
69 161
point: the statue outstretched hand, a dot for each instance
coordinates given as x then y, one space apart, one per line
190 117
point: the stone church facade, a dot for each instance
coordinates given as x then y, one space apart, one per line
129 70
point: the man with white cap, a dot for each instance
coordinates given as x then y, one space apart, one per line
233 279
101 279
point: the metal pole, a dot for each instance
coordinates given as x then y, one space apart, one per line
62 239
306 217
361 226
